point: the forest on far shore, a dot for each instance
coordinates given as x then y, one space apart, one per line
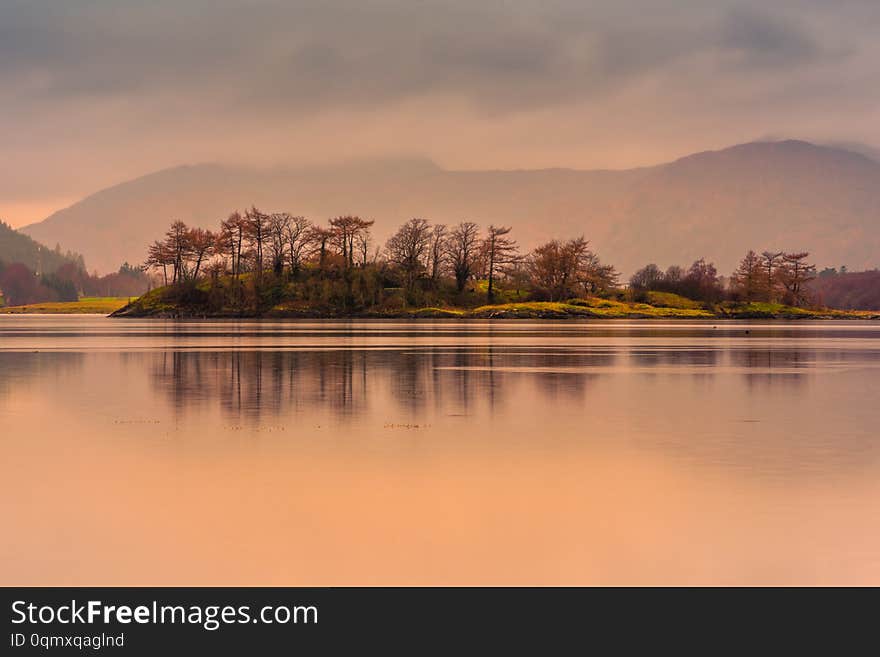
255 261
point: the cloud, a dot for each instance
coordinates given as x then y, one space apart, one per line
121 85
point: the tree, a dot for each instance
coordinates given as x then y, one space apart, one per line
299 238
202 245
795 273
277 225
256 225
159 256
345 231
748 278
770 261
177 242
364 243
566 269
320 236
701 282
648 277
231 239
19 284
461 250
499 251
436 253
408 249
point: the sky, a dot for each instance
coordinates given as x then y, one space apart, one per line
95 92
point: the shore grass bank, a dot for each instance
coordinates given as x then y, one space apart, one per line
165 303
84 306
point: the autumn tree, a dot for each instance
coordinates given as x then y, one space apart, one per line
299 237
278 223
770 262
461 250
159 256
795 273
345 231
178 245
436 255
701 282
499 251
363 246
320 237
748 279
648 277
231 240
202 245
256 225
566 269
408 249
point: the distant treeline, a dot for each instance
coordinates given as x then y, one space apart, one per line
255 259
772 276
847 290
20 285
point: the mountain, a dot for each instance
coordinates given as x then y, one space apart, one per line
787 195
16 247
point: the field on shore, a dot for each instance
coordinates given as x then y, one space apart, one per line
84 306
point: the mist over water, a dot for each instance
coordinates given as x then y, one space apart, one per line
328 453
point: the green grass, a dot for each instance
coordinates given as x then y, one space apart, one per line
592 307
763 309
671 300
85 305
169 302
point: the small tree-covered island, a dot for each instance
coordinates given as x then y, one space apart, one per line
276 265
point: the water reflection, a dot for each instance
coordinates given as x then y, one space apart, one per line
438 453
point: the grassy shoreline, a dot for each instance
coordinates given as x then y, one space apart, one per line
84 306
153 305
662 307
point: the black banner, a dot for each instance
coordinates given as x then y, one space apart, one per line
269 620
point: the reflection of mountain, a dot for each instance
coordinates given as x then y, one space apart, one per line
787 195
18 368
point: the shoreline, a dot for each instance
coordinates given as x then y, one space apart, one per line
529 311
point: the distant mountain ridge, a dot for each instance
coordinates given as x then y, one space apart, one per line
715 204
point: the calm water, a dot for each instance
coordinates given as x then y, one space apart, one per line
152 452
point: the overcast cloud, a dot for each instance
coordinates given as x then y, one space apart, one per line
97 91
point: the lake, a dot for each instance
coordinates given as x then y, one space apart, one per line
151 452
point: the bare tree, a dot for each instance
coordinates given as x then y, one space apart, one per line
436 253
231 239
770 261
202 244
160 256
345 231
277 227
320 236
363 244
408 249
257 233
499 251
795 273
177 243
299 238
461 249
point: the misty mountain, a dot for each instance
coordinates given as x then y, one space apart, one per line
16 247
782 195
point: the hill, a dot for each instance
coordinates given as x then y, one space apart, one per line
787 195
17 247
